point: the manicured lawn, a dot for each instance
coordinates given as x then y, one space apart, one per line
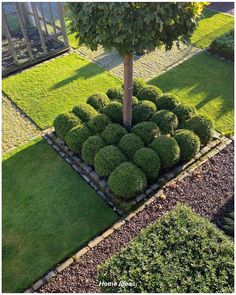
210 27
71 36
49 212
205 82
55 87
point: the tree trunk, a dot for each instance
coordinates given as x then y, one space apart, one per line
128 90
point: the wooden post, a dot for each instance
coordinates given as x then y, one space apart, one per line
128 90
52 17
8 36
39 27
43 18
63 24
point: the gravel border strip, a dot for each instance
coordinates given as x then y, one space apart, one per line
124 220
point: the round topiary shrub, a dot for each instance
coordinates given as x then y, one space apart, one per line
143 111
113 133
188 142
147 131
76 137
90 148
115 94
98 101
114 110
134 100
98 123
167 101
107 159
202 126
64 122
183 112
138 84
168 150
130 143
149 161
127 180
84 111
166 121
149 92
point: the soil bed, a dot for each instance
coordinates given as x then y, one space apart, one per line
209 191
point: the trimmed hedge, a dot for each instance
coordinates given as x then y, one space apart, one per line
147 131
90 148
115 93
107 159
138 84
166 121
143 111
64 122
181 252
188 142
84 111
149 92
129 144
202 126
113 133
224 45
127 180
167 101
114 110
168 150
98 123
98 101
148 160
184 112
76 137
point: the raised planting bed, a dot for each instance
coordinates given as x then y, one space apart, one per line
127 166
180 253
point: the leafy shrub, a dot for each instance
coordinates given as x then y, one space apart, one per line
228 224
107 159
224 45
166 121
168 150
130 143
127 180
147 131
183 112
115 94
202 126
76 137
167 101
143 111
113 133
90 147
84 112
98 123
64 122
181 252
98 101
188 142
134 100
149 92
148 160
114 110
138 84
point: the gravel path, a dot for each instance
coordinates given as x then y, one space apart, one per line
147 66
17 129
226 7
209 191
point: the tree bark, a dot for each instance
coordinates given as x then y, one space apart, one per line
128 90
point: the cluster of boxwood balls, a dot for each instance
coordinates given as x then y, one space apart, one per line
164 133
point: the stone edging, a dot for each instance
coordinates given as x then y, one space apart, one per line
119 224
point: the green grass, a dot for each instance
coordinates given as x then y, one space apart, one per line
73 42
211 27
44 91
205 82
49 212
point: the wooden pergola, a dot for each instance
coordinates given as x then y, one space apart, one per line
31 32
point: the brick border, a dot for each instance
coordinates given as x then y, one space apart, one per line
122 221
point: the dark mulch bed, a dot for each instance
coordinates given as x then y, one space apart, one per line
209 191
226 7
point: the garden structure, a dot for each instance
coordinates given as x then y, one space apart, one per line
90 205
